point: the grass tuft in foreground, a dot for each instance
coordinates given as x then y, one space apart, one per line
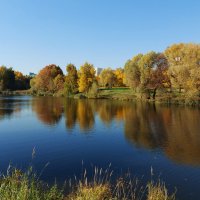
158 191
16 185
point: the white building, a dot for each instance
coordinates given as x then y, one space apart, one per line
98 71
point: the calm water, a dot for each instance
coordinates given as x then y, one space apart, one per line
131 136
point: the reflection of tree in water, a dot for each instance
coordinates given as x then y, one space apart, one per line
8 107
49 110
142 125
175 130
80 111
109 110
183 133
70 109
85 114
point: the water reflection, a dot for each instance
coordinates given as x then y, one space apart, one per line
109 110
70 108
80 112
182 130
143 126
175 130
49 110
10 106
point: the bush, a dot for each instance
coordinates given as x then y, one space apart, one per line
93 91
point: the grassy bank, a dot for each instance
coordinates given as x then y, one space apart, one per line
163 97
26 186
121 93
114 93
117 93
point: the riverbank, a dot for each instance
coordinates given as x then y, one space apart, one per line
114 93
122 94
27 186
127 94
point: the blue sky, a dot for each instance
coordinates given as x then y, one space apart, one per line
35 33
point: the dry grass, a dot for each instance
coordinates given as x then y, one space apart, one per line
158 191
16 185
97 192
124 188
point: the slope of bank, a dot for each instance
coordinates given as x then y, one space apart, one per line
127 94
122 93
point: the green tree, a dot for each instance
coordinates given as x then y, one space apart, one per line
7 78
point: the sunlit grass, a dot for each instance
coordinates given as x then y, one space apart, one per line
158 191
16 185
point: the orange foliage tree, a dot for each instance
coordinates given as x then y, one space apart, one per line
49 79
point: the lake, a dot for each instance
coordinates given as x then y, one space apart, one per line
71 135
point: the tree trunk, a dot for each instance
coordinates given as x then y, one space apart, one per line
154 93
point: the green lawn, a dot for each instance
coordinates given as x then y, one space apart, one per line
117 93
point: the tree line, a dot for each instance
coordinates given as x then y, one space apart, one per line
176 70
52 79
13 80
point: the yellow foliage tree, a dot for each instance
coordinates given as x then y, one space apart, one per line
119 74
184 66
86 76
107 77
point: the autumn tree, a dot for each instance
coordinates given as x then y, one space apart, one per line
158 76
49 79
22 82
153 73
184 66
86 76
177 71
58 83
93 91
71 79
146 64
147 72
107 77
132 72
7 78
119 74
